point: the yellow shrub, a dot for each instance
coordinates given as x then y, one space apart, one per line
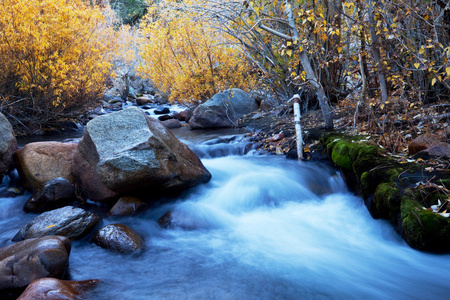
54 57
187 58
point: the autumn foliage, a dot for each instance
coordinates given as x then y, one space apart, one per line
55 56
187 57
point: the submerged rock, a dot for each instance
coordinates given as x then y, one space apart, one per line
128 153
55 289
56 193
38 163
119 238
162 110
127 205
8 145
26 261
70 222
223 110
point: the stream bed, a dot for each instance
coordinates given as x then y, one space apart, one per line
263 228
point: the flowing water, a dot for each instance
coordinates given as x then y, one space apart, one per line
262 228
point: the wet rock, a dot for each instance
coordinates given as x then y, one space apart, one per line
185 115
438 150
127 205
223 109
23 262
38 163
171 123
128 153
144 100
162 111
118 238
55 289
165 117
56 193
423 142
73 223
182 220
8 145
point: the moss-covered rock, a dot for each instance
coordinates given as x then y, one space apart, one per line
424 229
394 191
387 200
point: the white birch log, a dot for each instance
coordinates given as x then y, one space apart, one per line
298 128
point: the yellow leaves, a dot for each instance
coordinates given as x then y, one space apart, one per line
447 70
422 50
52 44
416 65
433 81
339 49
50 226
188 59
289 52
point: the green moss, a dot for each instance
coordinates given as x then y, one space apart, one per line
341 155
387 200
423 229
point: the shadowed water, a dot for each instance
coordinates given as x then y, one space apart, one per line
262 228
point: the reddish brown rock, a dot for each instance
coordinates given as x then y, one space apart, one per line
55 289
127 205
171 123
423 142
23 262
38 163
278 137
439 150
185 115
118 238
144 100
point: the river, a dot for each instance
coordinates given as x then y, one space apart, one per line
262 228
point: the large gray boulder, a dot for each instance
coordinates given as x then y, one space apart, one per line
128 153
68 221
8 145
223 110
26 261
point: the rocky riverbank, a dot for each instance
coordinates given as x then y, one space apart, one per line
130 160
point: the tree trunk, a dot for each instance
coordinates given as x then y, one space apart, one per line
310 74
376 54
